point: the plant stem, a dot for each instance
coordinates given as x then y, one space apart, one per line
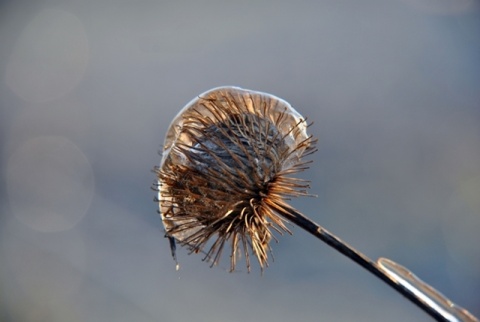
359 258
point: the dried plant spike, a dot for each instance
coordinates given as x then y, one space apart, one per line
226 173
226 169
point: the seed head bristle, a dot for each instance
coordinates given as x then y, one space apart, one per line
225 173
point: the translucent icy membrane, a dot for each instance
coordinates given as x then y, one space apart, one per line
247 101
290 124
449 310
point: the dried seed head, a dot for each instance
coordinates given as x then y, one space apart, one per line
225 172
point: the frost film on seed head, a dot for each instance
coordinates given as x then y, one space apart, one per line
226 172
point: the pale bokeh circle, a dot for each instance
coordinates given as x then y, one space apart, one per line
50 183
49 58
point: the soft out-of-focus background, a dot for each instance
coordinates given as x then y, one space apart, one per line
88 89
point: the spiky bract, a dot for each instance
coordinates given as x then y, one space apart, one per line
225 172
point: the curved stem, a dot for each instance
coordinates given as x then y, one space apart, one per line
359 258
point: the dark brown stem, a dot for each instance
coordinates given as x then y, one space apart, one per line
359 258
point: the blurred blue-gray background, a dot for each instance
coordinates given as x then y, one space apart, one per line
88 89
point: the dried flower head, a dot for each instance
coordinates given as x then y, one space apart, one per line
225 172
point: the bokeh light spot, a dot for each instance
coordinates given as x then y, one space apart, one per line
49 58
50 183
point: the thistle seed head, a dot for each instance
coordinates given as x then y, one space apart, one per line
226 169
